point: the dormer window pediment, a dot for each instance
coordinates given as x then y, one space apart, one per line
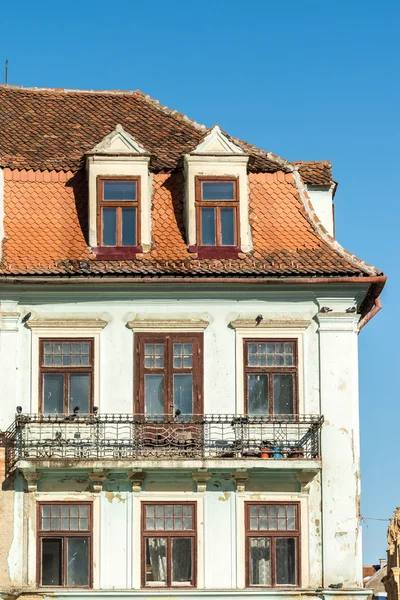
217 226
120 188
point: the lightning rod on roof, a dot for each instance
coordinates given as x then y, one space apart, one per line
6 74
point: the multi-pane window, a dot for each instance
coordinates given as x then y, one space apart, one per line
272 543
217 206
169 374
66 375
169 544
270 372
65 544
118 212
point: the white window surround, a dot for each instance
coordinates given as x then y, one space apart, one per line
56 329
268 333
242 498
217 156
119 155
168 497
32 530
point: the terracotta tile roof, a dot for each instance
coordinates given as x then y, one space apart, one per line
46 232
52 129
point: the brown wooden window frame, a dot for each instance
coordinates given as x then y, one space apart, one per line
63 535
273 535
65 370
117 251
271 371
168 370
218 249
169 534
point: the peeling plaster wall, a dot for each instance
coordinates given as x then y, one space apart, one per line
1 210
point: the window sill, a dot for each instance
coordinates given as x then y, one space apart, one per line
216 251
116 252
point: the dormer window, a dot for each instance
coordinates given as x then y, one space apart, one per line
120 191
118 212
217 198
217 212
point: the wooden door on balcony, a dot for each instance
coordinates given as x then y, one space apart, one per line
169 374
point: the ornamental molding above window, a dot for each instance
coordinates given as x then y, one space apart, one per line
155 323
256 323
66 324
118 142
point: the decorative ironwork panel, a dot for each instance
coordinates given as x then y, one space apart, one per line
140 437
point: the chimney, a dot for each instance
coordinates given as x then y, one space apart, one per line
382 562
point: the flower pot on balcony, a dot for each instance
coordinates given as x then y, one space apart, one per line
297 452
266 452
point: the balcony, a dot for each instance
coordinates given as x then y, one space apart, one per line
76 439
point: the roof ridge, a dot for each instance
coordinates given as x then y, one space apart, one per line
320 229
153 101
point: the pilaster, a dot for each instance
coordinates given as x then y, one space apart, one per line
9 317
340 444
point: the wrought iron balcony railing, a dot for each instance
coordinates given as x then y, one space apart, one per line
36 437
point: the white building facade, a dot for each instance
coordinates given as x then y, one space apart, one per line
178 362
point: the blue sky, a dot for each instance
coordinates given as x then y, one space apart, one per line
305 80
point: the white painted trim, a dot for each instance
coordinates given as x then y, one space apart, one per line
168 497
64 332
234 165
131 166
241 538
242 334
2 213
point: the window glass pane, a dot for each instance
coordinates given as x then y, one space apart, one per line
208 227
83 511
218 190
51 561
45 511
109 227
79 392
283 394
46 524
257 386
53 393
227 227
183 393
129 226
120 190
285 561
154 356
181 561
260 561
78 561
156 561
154 394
